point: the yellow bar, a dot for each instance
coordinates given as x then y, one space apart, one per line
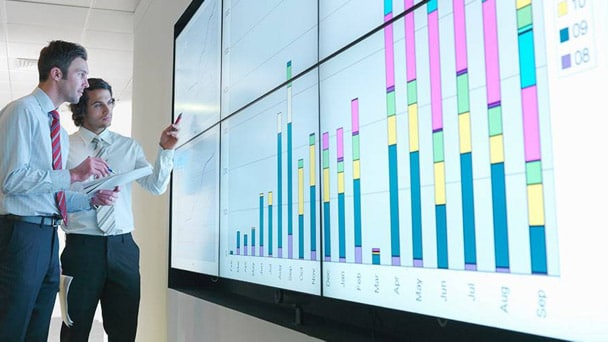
313 178
392 130
340 182
496 149
412 112
464 127
522 3
356 169
300 191
439 169
325 185
270 198
536 206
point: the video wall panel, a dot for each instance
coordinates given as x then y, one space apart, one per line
436 157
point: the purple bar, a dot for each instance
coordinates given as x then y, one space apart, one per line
342 260
503 270
470 267
491 50
531 125
410 43
396 261
354 109
418 263
280 252
340 143
325 140
289 244
313 255
460 36
327 258
435 66
261 250
358 255
389 53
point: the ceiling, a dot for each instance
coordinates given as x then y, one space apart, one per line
103 27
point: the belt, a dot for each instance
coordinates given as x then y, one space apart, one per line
52 221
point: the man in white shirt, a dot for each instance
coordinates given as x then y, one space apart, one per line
100 252
34 193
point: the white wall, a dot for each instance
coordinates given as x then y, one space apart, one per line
188 318
152 91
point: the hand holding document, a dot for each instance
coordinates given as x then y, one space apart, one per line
109 182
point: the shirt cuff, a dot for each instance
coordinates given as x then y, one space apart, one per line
162 153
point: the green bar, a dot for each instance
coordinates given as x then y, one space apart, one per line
356 147
325 159
463 93
412 92
438 146
534 172
524 18
495 120
390 103
341 166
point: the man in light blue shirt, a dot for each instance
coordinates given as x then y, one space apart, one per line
31 177
100 253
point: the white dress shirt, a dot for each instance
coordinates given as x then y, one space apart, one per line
123 155
28 181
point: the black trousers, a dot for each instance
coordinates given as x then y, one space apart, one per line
29 279
106 270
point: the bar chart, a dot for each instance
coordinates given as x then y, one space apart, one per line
269 189
415 162
436 156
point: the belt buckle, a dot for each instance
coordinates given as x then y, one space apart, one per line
56 221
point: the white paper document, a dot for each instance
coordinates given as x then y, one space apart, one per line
109 182
64 288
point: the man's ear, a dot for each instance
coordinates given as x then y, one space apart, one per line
56 73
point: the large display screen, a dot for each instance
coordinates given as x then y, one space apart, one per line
436 157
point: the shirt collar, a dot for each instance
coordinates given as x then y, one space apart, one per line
88 136
43 100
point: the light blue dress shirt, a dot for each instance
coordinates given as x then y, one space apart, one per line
28 181
124 155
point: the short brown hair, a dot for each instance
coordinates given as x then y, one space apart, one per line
58 54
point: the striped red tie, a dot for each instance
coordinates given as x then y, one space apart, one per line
56 145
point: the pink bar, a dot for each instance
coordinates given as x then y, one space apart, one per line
389 55
491 51
460 37
531 126
354 109
340 143
410 43
325 140
435 66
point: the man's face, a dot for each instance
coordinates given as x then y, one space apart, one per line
72 85
99 110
